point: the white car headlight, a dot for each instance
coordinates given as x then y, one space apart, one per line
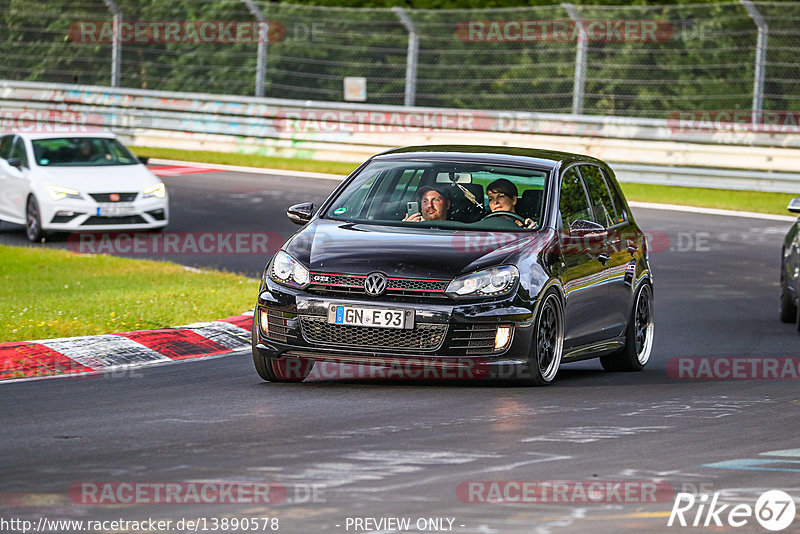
158 191
58 192
288 271
486 283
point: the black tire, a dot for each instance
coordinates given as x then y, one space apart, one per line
797 320
547 345
279 369
638 336
33 221
788 309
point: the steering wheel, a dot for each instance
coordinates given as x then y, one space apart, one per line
509 214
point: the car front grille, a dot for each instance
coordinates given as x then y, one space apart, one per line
325 283
106 197
423 337
99 221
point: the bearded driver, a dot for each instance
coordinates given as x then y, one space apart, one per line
433 205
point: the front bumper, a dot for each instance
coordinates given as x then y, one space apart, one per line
446 334
87 215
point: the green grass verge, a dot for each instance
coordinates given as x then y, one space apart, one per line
56 293
247 160
759 202
756 201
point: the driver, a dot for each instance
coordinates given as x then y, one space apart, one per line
84 151
502 195
433 205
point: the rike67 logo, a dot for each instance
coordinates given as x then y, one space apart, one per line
774 510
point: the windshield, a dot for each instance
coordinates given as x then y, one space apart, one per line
81 152
443 194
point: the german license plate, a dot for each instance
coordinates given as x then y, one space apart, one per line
116 210
375 317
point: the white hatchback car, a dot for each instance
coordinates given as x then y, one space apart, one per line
77 183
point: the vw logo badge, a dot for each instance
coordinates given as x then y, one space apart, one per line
375 284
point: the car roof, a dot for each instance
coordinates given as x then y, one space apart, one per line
59 135
495 154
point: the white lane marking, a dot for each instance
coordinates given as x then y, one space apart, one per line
589 434
377 466
253 170
104 352
711 211
792 453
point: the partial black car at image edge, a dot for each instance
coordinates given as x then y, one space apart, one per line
485 259
790 271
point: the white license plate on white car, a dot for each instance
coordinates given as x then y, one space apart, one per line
375 317
116 210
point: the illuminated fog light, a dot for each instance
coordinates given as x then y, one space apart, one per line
262 321
502 337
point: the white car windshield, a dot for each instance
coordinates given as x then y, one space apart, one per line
81 152
445 195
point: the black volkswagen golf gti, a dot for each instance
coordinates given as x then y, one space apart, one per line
460 261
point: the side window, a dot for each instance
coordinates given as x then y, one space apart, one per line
602 205
18 151
573 203
409 181
5 145
616 196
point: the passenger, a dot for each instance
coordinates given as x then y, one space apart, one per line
502 195
433 205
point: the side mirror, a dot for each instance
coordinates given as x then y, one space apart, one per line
583 228
300 213
15 162
794 205
143 159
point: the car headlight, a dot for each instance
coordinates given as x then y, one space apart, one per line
58 192
158 191
487 283
288 271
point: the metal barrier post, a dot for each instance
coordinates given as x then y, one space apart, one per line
411 57
116 45
580 60
263 37
761 59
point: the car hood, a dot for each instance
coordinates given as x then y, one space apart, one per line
106 179
335 247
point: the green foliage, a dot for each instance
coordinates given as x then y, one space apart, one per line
54 293
703 59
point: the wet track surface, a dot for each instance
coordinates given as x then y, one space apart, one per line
381 448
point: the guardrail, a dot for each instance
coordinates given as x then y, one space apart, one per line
641 150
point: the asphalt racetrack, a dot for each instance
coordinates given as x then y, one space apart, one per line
595 452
